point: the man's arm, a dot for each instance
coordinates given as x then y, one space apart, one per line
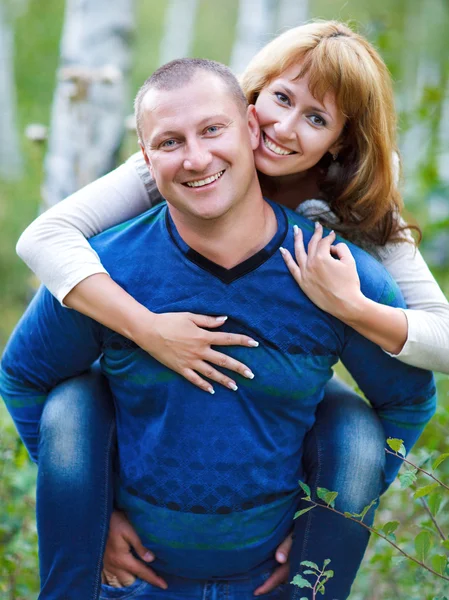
403 397
49 344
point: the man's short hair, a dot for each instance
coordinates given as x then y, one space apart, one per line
178 73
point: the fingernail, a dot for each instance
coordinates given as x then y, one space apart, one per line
221 319
247 373
281 557
295 229
253 343
331 232
316 224
211 391
232 386
282 250
148 556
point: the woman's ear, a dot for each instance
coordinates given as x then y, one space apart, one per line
253 126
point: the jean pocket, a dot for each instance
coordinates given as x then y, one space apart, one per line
108 592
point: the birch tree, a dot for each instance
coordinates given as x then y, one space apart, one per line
89 105
11 163
292 13
179 30
256 24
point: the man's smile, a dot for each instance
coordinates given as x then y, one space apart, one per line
206 181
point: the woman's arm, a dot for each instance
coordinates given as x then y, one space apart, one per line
418 336
55 247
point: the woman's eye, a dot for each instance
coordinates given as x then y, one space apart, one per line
282 98
317 120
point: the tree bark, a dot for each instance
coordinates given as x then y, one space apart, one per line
91 96
11 162
179 30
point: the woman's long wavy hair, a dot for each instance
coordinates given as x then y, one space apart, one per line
362 187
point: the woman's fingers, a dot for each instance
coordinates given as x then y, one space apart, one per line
300 251
118 578
194 378
314 240
226 362
342 252
230 339
291 265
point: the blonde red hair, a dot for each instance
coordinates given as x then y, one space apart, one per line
363 191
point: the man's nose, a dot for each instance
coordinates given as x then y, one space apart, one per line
197 157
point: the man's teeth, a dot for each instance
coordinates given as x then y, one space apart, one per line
276 149
202 182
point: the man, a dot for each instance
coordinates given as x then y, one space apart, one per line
211 487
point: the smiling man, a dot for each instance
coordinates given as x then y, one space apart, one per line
209 484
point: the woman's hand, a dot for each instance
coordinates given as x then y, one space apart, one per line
120 567
333 285
180 342
177 340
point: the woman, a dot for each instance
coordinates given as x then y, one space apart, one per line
324 103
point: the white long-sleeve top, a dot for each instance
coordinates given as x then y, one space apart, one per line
55 247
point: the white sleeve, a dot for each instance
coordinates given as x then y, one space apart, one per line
55 247
427 344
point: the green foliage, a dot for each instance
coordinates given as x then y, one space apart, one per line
319 577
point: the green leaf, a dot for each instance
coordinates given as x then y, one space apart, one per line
423 544
439 563
327 496
407 478
309 572
328 574
326 562
311 565
425 490
305 488
366 509
303 511
437 462
301 582
445 544
397 446
390 527
434 501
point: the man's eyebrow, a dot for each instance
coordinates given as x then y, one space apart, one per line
162 135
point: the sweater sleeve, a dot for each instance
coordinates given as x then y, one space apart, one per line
427 312
55 245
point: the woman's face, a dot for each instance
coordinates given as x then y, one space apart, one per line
297 130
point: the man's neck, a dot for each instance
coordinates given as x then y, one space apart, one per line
232 238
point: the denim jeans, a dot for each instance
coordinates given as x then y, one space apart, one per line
344 452
188 589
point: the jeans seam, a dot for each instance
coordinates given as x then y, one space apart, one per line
105 526
297 592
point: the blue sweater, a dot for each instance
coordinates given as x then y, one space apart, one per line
211 483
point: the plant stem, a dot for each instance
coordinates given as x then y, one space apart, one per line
384 537
437 527
418 468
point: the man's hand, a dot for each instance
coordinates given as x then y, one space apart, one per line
279 575
120 567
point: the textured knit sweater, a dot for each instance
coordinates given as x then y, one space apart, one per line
211 484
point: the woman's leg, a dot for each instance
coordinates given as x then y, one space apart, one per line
344 452
74 488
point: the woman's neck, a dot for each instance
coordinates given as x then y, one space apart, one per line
291 190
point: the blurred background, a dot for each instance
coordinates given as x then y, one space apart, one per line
68 74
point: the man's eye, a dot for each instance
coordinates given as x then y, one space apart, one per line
213 129
169 144
283 99
317 120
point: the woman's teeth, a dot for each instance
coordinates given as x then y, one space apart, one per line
201 182
274 148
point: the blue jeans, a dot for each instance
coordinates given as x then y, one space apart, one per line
188 589
343 452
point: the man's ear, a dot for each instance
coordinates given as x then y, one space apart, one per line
147 160
253 126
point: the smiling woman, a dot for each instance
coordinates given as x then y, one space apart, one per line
323 98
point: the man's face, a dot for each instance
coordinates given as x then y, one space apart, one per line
199 145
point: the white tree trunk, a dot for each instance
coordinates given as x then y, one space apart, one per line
179 30
292 13
256 24
11 163
91 95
